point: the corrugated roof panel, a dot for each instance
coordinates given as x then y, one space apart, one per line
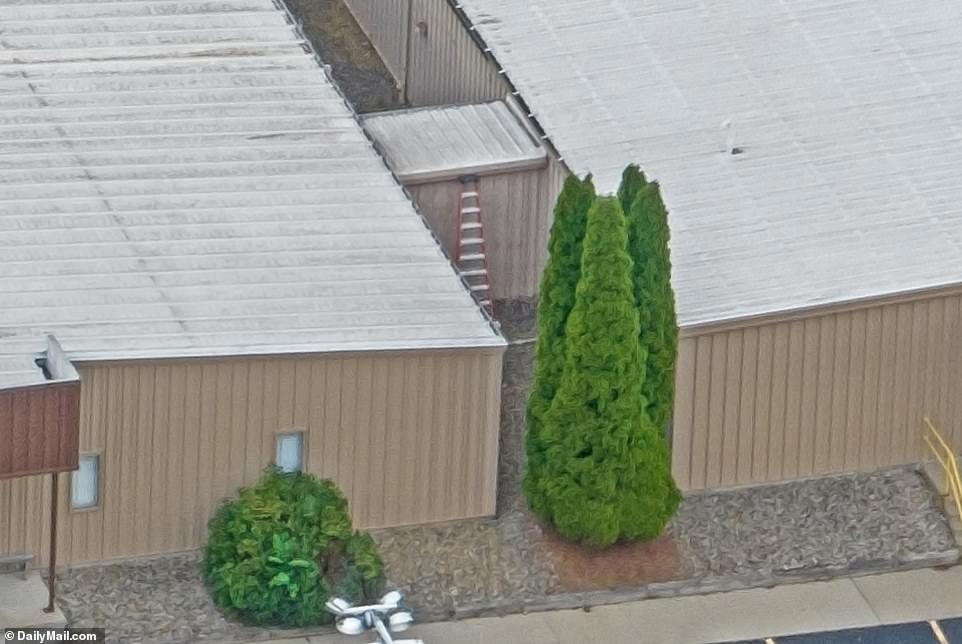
180 178
849 115
434 143
18 354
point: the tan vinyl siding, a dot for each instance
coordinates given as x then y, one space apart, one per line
410 437
433 56
836 391
517 210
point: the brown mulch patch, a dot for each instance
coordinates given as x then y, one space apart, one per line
582 569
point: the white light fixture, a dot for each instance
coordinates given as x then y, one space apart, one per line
400 620
337 606
350 625
289 454
392 599
390 615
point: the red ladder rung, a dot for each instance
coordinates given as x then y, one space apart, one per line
469 221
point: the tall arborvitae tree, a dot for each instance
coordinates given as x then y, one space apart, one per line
556 301
632 180
606 473
648 238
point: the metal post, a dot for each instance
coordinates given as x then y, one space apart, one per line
407 52
52 573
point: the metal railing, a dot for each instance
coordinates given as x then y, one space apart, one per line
946 458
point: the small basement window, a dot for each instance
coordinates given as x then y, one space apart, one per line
290 451
85 483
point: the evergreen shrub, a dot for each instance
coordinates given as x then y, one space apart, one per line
557 297
648 246
283 547
606 470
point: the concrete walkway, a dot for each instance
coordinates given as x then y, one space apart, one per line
22 602
748 614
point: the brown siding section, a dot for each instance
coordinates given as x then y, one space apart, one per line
832 392
409 437
433 54
517 212
39 429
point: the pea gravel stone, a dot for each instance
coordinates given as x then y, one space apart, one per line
154 601
887 518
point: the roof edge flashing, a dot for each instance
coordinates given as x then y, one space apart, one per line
705 327
400 138
421 177
55 364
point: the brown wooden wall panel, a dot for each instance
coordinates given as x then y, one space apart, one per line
39 428
518 210
411 437
831 392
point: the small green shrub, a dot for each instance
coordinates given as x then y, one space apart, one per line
281 549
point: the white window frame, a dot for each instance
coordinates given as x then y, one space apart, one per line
98 482
280 436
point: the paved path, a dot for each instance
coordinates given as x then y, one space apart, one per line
748 615
947 631
22 602
930 632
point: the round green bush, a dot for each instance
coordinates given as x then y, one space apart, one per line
281 549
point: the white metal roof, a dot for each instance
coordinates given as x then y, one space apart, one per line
19 367
849 113
435 143
180 178
17 361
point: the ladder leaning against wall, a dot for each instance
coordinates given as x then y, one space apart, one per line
470 251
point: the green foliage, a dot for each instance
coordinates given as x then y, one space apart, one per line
605 474
557 299
283 547
361 573
648 238
632 180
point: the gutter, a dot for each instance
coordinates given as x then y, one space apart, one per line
327 71
516 96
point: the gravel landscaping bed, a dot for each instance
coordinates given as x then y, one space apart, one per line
756 536
441 567
156 600
753 536
849 522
